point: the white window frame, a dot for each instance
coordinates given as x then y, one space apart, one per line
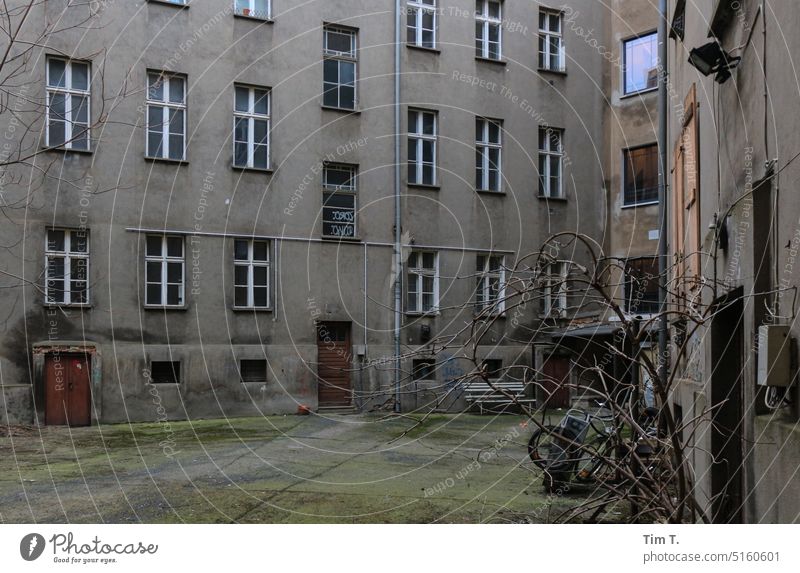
487 22
165 104
164 260
487 299
70 257
482 146
417 9
350 57
546 154
253 12
349 190
556 274
546 35
251 264
418 138
251 117
68 91
417 274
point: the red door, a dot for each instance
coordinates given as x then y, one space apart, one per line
67 397
555 378
334 361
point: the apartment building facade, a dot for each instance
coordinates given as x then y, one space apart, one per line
207 227
733 220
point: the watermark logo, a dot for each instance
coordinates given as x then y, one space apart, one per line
31 547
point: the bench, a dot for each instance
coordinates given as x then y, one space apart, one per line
498 392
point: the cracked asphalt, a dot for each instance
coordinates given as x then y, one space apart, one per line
285 469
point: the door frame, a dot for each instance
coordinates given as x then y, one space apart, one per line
41 350
317 326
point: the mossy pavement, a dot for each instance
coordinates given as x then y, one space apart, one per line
284 469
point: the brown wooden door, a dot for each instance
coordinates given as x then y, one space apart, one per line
555 378
67 391
334 359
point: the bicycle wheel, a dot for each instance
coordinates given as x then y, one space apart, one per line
592 458
550 448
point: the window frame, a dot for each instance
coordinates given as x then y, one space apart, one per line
252 9
351 190
545 156
164 260
251 264
484 298
68 256
624 178
175 375
486 22
545 35
68 91
629 282
419 138
418 8
252 117
420 272
624 68
166 105
251 363
483 146
350 57
552 279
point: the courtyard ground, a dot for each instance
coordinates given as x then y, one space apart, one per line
319 469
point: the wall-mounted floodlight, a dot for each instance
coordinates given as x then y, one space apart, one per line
712 59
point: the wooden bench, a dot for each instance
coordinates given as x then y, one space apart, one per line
499 392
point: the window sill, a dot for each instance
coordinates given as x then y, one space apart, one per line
256 19
424 49
644 204
500 62
161 307
343 110
423 186
61 149
242 309
166 160
267 171
553 72
87 306
431 314
490 192
555 199
165 2
639 93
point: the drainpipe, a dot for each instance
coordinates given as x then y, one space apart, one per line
662 192
398 247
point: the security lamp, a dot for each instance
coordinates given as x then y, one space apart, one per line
712 59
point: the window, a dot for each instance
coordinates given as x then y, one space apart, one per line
491 283
555 290
640 177
68 104
67 267
253 371
488 154
488 29
339 201
339 62
551 41
422 133
251 274
640 66
493 367
551 156
252 8
164 276
424 369
421 23
164 372
641 285
251 127
166 116
423 282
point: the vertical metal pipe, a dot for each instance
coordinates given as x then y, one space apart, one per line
663 171
398 247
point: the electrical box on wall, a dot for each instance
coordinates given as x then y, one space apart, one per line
774 356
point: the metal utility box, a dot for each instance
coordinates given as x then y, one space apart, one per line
774 356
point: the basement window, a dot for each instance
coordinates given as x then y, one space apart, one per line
493 368
253 371
163 372
424 370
